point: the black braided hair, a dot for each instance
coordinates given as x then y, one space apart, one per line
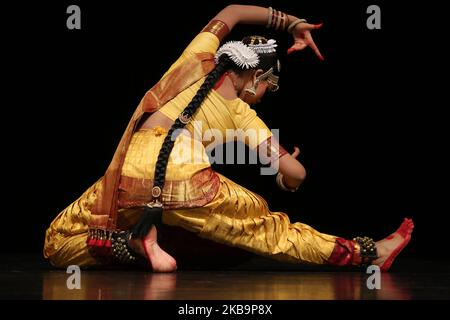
189 111
267 61
152 214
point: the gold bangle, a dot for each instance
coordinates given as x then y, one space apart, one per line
293 24
276 19
284 19
277 15
272 22
280 183
269 19
218 28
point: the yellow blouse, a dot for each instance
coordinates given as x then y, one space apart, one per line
216 112
218 120
225 212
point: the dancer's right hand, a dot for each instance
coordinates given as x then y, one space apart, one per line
302 38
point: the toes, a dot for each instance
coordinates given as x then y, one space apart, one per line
410 226
405 228
409 223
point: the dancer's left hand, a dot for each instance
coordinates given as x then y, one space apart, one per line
302 38
296 152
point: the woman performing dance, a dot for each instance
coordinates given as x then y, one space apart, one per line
161 175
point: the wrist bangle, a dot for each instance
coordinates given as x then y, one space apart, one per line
280 183
293 24
269 19
276 19
121 251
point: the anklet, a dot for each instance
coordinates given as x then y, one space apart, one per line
121 252
368 250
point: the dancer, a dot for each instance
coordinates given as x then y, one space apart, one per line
161 174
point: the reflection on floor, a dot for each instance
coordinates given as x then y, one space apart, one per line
28 277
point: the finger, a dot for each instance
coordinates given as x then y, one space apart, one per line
290 50
310 27
296 47
296 152
318 26
316 50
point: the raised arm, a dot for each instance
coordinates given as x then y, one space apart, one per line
244 14
291 171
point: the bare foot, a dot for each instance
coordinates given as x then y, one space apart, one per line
391 246
160 260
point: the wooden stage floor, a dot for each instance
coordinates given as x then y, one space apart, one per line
27 276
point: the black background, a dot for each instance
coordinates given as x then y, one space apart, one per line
368 120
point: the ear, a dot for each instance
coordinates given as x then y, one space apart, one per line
257 73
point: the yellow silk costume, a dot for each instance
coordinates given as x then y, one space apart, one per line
195 197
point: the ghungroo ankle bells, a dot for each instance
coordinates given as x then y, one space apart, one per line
107 245
368 250
121 252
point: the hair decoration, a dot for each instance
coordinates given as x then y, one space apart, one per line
262 48
242 55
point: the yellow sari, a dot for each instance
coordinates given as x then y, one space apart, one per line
195 197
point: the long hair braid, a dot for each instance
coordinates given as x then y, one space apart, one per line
189 111
152 213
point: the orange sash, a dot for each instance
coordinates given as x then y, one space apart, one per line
105 208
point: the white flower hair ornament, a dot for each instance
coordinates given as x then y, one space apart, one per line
242 55
269 47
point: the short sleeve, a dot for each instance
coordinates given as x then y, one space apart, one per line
203 42
254 130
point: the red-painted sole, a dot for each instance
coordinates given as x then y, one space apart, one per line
405 232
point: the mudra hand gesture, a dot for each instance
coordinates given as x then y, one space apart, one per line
296 152
302 38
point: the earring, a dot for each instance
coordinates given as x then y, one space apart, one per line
252 90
